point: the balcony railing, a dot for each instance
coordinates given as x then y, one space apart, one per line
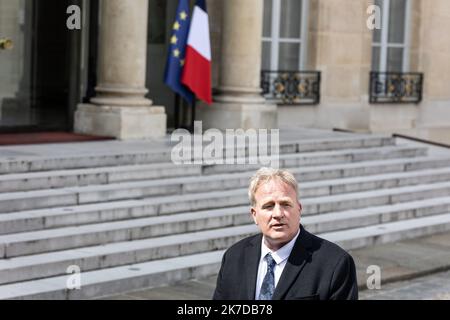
291 87
395 87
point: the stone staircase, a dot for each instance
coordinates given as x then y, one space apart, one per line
133 220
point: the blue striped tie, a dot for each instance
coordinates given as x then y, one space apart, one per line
268 285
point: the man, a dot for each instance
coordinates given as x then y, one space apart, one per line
284 261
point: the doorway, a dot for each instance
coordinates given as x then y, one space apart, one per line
40 74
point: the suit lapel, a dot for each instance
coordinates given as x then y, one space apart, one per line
296 261
252 257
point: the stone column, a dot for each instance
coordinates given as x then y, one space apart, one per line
238 102
120 108
434 60
430 38
344 44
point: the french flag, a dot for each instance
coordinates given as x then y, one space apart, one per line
197 68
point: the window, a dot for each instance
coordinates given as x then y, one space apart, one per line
390 45
284 33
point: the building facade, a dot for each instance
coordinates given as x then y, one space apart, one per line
364 65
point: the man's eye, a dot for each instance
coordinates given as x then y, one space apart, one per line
268 206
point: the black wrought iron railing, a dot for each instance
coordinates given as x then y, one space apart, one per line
395 87
291 87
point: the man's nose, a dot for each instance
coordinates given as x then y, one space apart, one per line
277 211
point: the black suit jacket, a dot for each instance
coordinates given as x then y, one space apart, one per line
316 269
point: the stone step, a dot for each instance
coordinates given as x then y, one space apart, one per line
27 221
367 199
13 245
115 280
121 253
188 203
165 271
39 163
339 179
38 199
325 157
114 174
341 220
93 176
60 217
390 232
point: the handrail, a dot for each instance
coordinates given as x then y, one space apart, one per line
398 135
438 144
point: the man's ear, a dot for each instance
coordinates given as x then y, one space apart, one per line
253 212
300 205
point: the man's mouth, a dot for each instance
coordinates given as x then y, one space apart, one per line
278 225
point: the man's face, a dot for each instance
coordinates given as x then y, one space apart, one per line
277 213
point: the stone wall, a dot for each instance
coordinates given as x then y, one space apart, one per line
340 47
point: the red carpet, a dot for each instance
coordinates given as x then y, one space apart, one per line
46 137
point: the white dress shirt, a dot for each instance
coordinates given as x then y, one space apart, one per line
280 256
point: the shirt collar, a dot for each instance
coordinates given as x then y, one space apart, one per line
281 254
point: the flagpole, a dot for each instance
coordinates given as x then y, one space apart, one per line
194 103
177 111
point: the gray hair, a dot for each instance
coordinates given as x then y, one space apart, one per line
264 175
